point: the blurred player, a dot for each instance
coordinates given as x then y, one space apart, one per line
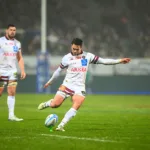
76 63
10 52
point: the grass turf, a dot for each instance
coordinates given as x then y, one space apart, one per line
102 123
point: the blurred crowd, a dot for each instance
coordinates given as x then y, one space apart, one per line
109 28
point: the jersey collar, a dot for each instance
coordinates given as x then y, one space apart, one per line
77 55
8 38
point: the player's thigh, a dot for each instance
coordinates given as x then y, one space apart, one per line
58 100
3 82
77 101
11 87
12 83
13 76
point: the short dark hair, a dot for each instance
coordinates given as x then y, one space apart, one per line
10 25
77 41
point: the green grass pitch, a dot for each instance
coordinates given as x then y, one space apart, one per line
102 123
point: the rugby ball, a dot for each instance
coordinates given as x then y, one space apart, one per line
51 120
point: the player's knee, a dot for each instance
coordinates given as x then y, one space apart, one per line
11 92
12 84
11 88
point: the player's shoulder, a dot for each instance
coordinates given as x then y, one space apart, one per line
2 38
17 41
67 56
88 54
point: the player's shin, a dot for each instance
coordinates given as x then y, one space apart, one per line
45 104
48 103
11 105
70 114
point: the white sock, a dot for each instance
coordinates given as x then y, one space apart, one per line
48 103
11 105
70 114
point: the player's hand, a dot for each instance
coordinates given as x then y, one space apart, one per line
23 75
125 60
47 84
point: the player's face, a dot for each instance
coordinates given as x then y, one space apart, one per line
76 49
11 32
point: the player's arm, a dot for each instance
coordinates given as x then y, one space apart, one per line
56 74
106 61
21 64
113 61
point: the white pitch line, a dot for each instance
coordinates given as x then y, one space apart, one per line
79 138
12 137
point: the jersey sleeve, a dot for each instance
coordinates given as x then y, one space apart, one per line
64 63
19 46
93 58
55 75
98 60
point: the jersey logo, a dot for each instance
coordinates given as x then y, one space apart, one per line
84 62
15 48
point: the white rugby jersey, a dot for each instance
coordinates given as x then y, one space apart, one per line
77 67
8 53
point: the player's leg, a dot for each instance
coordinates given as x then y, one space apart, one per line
57 101
53 103
3 82
60 96
77 102
11 90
